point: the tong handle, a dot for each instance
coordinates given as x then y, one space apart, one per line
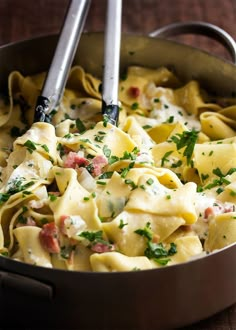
59 69
110 107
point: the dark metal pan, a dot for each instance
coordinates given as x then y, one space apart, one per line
37 297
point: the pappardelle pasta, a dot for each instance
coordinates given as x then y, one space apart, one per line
81 194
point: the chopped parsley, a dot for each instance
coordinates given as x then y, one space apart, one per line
106 175
220 190
222 180
122 224
113 159
106 151
68 136
218 172
26 193
17 185
130 155
80 126
4 197
135 106
99 138
188 140
170 120
165 157
94 237
30 145
150 181
52 197
61 149
126 170
159 253
85 140
147 126
204 176
130 183
177 164
156 251
105 120
45 147
93 194
211 153
146 231
102 183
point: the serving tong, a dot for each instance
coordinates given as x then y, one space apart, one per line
110 102
68 41
59 69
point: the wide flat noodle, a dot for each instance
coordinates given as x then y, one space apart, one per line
128 242
81 194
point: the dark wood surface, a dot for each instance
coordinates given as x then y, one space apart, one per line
23 19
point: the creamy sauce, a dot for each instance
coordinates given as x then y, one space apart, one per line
170 113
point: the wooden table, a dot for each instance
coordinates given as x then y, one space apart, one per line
22 19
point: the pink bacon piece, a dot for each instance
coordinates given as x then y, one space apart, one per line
49 239
98 163
73 160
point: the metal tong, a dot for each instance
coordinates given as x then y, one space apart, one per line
59 69
110 103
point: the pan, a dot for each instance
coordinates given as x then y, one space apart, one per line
164 298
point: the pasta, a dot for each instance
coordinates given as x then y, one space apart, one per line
81 194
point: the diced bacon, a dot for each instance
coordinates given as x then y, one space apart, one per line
98 163
209 211
62 223
101 247
218 208
48 237
73 160
71 225
134 91
229 208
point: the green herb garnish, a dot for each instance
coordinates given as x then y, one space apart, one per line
122 224
188 140
30 145
165 157
80 126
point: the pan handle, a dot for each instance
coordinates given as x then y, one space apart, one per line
10 282
198 27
